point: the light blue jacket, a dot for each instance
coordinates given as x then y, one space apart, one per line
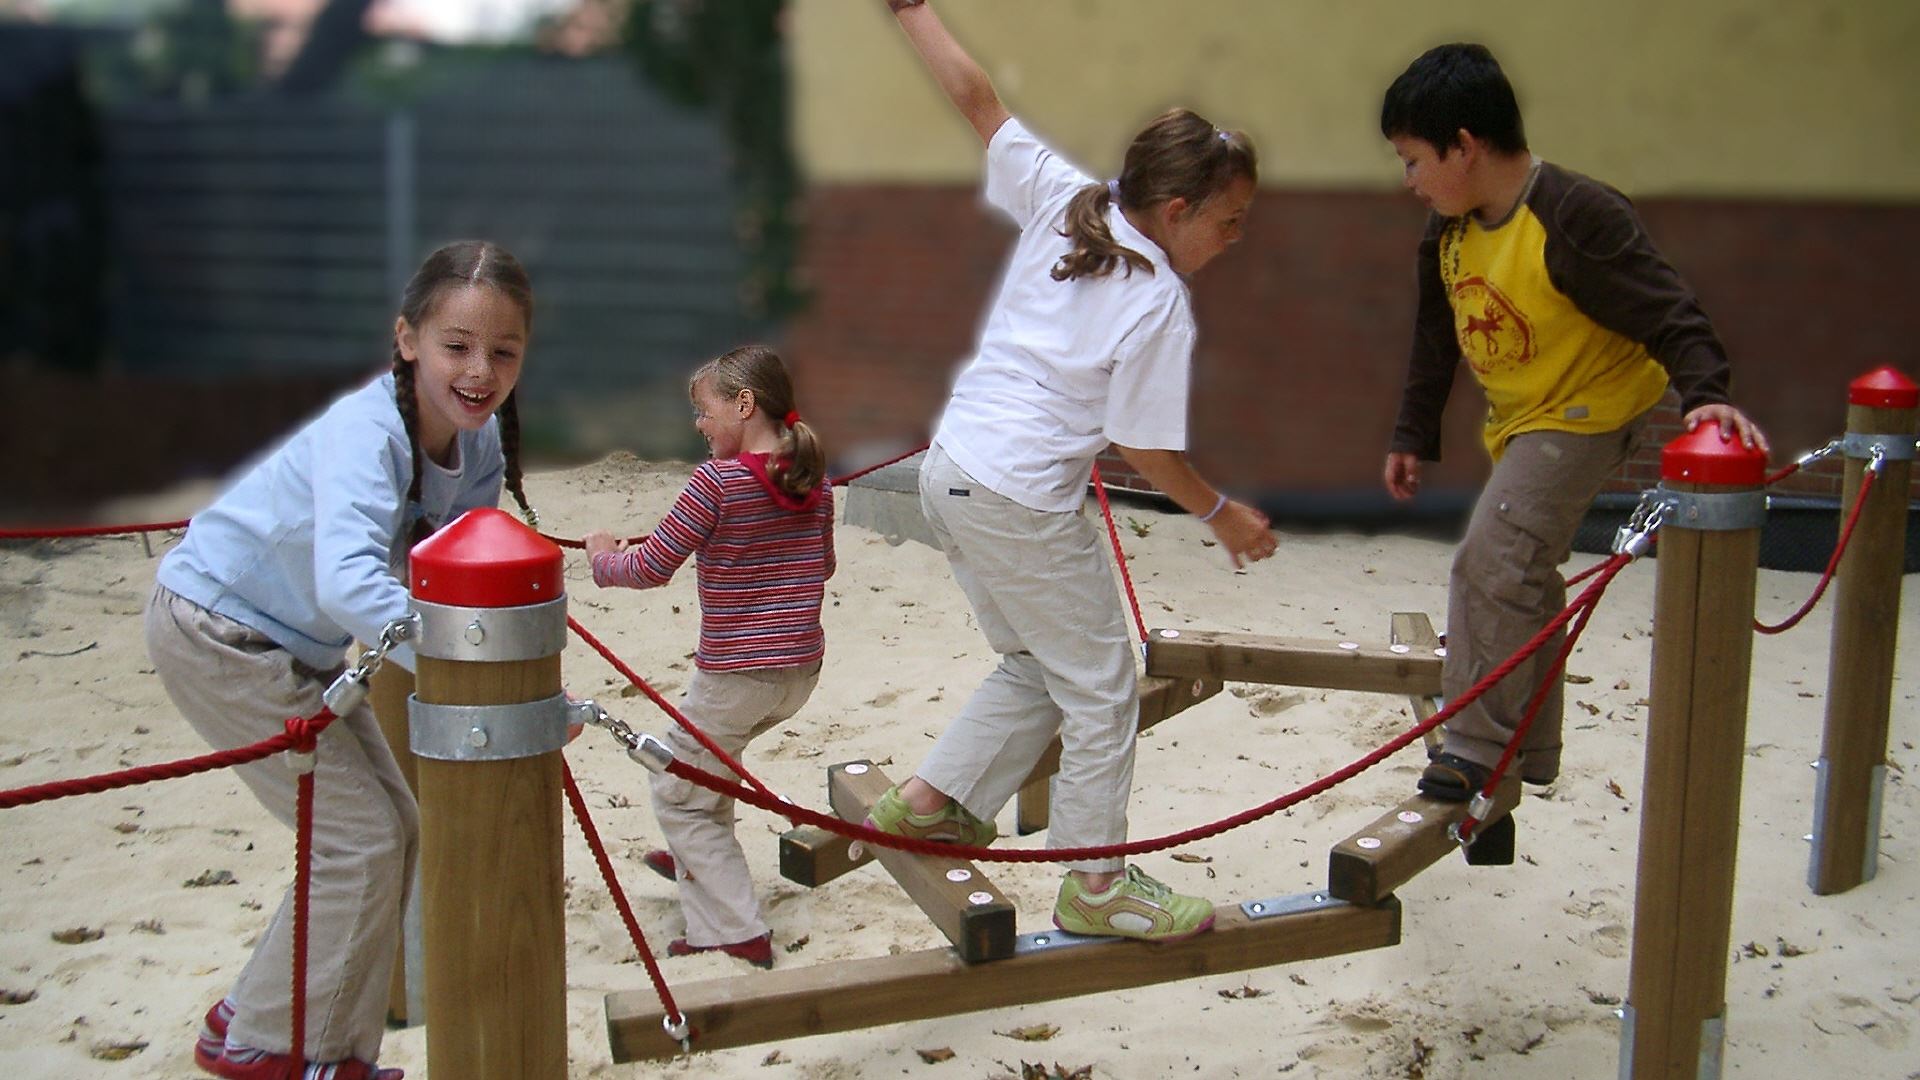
307 546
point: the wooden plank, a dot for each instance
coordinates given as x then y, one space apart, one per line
1328 665
813 857
1414 630
848 995
1160 697
1368 866
962 903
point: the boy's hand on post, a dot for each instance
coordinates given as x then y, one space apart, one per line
1732 422
1244 532
1402 475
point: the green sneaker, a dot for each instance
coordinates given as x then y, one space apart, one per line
951 824
1134 906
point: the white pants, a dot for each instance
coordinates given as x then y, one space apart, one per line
1043 593
236 687
731 707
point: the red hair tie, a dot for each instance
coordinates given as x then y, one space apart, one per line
792 417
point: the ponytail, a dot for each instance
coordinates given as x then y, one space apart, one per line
1095 252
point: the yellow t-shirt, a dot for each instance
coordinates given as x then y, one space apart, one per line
1542 362
1567 314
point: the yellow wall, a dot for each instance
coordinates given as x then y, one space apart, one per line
1791 98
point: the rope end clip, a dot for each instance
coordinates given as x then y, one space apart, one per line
348 692
680 1031
652 753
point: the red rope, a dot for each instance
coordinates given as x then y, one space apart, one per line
172 770
1119 556
619 897
88 530
834 480
302 890
667 707
800 815
1833 563
1774 478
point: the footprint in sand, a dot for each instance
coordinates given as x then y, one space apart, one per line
1845 1014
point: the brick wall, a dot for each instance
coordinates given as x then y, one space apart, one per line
1304 327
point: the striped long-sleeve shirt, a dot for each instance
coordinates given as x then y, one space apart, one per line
763 563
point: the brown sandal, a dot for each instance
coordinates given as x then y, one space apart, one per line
1452 778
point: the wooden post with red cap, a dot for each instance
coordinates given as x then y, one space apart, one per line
1881 409
487 721
1709 543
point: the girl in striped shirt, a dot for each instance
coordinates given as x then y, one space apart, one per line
758 516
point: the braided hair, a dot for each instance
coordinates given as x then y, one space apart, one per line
463 262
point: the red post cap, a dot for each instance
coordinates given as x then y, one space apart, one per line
1701 457
486 559
1884 388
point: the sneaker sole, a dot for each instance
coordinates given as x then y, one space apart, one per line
1205 925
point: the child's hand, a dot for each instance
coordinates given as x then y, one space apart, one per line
600 542
1245 532
1732 422
1402 475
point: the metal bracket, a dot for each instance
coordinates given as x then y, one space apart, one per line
1870 854
1713 511
533 632
487 732
1276 906
1856 444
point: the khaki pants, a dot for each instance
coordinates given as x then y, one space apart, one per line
1506 585
236 687
732 708
1044 596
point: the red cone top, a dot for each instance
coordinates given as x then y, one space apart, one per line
486 559
1700 457
1884 388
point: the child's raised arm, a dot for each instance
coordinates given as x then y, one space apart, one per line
963 81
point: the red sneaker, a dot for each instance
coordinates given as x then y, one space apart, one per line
213 1034
240 1063
756 951
661 862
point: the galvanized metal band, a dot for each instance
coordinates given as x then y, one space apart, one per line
1856 444
1818 837
1713 511
1626 1041
532 632
487 732
1713 1046
1876 801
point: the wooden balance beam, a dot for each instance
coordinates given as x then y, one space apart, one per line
812 856
959 899
1368 866
790 1003
1414 630
1326 665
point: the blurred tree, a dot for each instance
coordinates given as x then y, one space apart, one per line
333 36
728 55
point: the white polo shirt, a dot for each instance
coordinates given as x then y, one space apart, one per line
1064 368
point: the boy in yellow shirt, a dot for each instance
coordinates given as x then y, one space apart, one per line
1545 283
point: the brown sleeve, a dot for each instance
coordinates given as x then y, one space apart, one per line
1599 255
1435 357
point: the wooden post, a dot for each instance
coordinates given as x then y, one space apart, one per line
1709 547
1866 617
487 721
388 692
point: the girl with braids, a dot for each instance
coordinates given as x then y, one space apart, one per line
1088 345
254 610
759 518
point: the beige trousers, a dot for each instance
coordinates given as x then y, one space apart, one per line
1044 595
1506 585
236 687
732 708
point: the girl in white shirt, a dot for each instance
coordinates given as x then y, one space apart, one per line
1088 345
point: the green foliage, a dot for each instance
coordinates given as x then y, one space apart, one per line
189 50
728 55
